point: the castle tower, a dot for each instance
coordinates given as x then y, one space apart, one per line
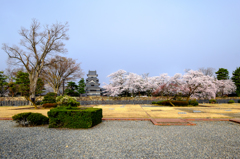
92 84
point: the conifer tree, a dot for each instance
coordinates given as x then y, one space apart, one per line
81 86
236 80
222 74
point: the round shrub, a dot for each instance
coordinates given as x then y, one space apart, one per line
193 102
231 101
50 105
67 101
154 102
37 119
212 101
31 119
49 98
238 100
38 102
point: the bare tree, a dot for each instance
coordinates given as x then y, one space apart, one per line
207 71
38 45
65 68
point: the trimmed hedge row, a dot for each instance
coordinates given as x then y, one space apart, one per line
72 117
177 103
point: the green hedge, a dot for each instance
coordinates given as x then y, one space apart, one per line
31 119
176 103
231 101
193 102
212 101
72 117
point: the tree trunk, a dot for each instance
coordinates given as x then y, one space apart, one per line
188 98
33 86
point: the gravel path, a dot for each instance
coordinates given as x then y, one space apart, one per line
122 139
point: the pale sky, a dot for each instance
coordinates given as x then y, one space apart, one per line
139 36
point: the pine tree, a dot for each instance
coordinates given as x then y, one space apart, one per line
24 85
71 89
222 74
236 80
3 83
81 86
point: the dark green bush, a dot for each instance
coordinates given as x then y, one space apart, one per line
49 98
50 105
154 102
72 117
239 101
160 102
38 103
31 119
231 101
176 103
212 101
37 119
193 102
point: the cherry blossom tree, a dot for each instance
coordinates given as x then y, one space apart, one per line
225 87
134 83
117 81
170 86
197 85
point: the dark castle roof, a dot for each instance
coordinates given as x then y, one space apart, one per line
92 73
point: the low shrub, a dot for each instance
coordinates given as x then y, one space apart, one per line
176 103
154 102
212 101
50 105
72 117
231 101
193 102
67 101
31 119
38 102
238 100
159 102
49 98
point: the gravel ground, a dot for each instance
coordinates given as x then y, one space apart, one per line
122 139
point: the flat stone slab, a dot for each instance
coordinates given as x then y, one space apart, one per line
182 113
111 108
228 110
196 111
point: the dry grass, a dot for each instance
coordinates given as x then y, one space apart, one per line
136 111
10 111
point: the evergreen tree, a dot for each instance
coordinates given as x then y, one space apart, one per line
236 80
24 84
81 86
13 88
3 83
222 74
71 89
